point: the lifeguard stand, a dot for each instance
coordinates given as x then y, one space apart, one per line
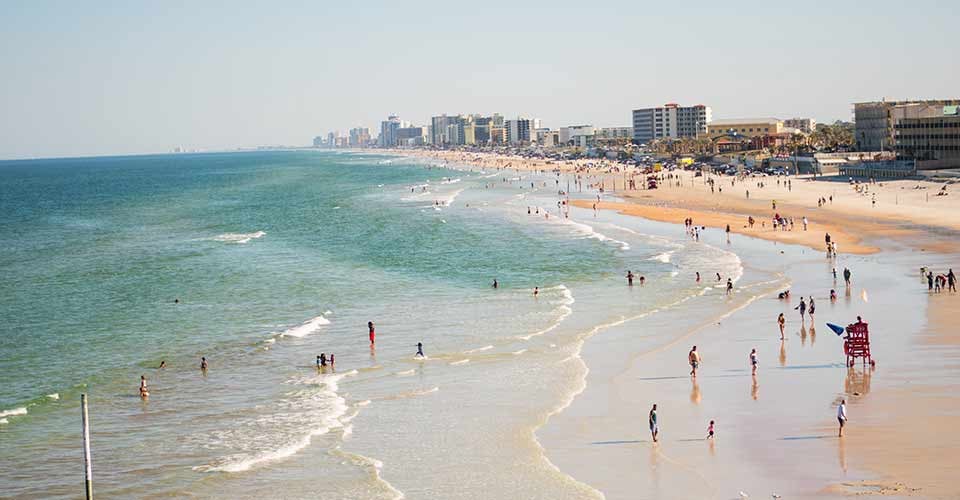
857 343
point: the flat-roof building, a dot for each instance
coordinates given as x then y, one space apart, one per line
874 121
670 121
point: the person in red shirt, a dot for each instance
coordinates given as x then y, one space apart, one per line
373 334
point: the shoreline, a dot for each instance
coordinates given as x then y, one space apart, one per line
857 236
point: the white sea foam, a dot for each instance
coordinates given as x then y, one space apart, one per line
447 199
563 311
517 353
313 409
310 326
4 421
405 373
461 362
239 238
662 257
479 349
363 403
55 396
588 231
450 181
14 412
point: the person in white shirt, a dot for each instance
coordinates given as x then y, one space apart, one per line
842 415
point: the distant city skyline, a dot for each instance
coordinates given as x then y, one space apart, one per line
118 78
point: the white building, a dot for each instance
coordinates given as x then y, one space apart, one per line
670 121
522 130
577 135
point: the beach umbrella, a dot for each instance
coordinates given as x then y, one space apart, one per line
836 329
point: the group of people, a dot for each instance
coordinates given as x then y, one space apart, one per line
940 282
144 392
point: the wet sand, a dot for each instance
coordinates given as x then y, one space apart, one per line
775 434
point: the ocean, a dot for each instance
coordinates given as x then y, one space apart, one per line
259 262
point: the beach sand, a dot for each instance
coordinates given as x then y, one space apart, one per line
776 434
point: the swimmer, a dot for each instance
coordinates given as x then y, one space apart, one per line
373 333
698 277
163 364
643 280
203 364
719 278
629 278
322 360
143 387
536 291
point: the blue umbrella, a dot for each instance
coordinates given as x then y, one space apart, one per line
836 329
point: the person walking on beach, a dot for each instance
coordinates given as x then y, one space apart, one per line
698 277
846 276
710 430
652 420
693 357
729 286
629 278
420 350
842 416
753 361
930 281
804 222
811 309
373 333
803 309
718 277
781 322
952 280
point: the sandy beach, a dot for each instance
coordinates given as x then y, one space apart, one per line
778 437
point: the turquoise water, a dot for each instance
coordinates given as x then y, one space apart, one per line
274 258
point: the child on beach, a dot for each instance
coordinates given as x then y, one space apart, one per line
710 430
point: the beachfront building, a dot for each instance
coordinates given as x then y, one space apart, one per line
522 130
411 136
579 136
874 121
388 131
549 138
804 125
318 141
446 129
359 137
929 134
670 121
614 133
744 127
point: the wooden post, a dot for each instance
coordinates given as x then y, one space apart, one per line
87 469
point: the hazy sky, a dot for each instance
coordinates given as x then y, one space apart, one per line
81 78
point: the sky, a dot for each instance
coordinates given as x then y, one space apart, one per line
97 78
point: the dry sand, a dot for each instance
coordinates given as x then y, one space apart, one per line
905 431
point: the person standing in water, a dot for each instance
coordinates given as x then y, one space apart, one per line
163 364
420 350
729 286
536 291
719 278
373 333
203 364
710 430
842 416
753 361
693 357
698 276
846 276
652 420
803 309
495 284
781 322
143 387
629 278
812 309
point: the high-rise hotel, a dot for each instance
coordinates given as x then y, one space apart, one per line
670 121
